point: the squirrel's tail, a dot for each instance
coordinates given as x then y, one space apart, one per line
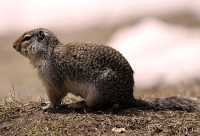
169 103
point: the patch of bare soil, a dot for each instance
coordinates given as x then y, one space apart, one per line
28 119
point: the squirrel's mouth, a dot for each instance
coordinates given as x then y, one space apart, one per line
25 53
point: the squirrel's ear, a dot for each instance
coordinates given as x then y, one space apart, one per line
41 35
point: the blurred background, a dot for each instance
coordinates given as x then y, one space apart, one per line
160 39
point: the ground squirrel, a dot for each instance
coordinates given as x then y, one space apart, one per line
97 73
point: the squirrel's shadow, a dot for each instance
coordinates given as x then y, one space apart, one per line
65 109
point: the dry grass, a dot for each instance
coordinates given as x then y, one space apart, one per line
18 118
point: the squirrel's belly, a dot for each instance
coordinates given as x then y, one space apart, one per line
80 89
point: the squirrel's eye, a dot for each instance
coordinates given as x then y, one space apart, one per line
41 36
27 37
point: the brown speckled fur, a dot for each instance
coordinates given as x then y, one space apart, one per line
97 73
61 67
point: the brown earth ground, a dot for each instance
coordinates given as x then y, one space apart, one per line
17 118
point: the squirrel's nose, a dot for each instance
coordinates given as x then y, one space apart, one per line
17 47
14 46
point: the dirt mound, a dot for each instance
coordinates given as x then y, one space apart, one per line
28 119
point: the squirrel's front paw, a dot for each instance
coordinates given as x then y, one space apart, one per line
49 107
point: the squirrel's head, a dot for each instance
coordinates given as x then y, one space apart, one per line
36 43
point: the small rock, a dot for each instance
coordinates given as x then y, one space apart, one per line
118 130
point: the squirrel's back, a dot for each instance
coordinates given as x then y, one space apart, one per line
85 61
